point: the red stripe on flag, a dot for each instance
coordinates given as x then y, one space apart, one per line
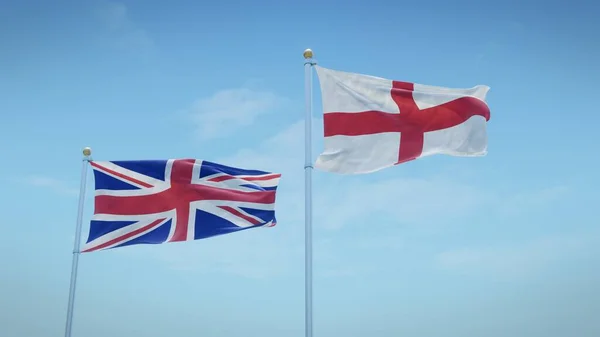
240 214
269 177
228 177
122 176
181 181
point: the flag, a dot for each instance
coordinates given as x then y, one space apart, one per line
160 201
372 123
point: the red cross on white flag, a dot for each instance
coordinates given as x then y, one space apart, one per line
372 123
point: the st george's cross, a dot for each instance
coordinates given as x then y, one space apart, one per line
371 123
160 201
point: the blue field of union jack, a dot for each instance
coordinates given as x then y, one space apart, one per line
160 201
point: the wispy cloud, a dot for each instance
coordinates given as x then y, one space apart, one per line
395 203
227 111
257 253
525 200
403 201
123 31
512 260
53 184
416 202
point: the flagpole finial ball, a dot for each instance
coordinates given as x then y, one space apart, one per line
308 54
87 151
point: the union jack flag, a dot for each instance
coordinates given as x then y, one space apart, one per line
160 201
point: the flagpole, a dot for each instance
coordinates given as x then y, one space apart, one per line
87 152
308 260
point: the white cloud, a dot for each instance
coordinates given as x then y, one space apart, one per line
53 184
123 31
229 110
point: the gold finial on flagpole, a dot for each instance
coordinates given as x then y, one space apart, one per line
87 151
308 54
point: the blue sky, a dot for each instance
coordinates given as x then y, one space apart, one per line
504 245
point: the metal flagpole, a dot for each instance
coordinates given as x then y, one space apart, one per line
308 280
87 152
